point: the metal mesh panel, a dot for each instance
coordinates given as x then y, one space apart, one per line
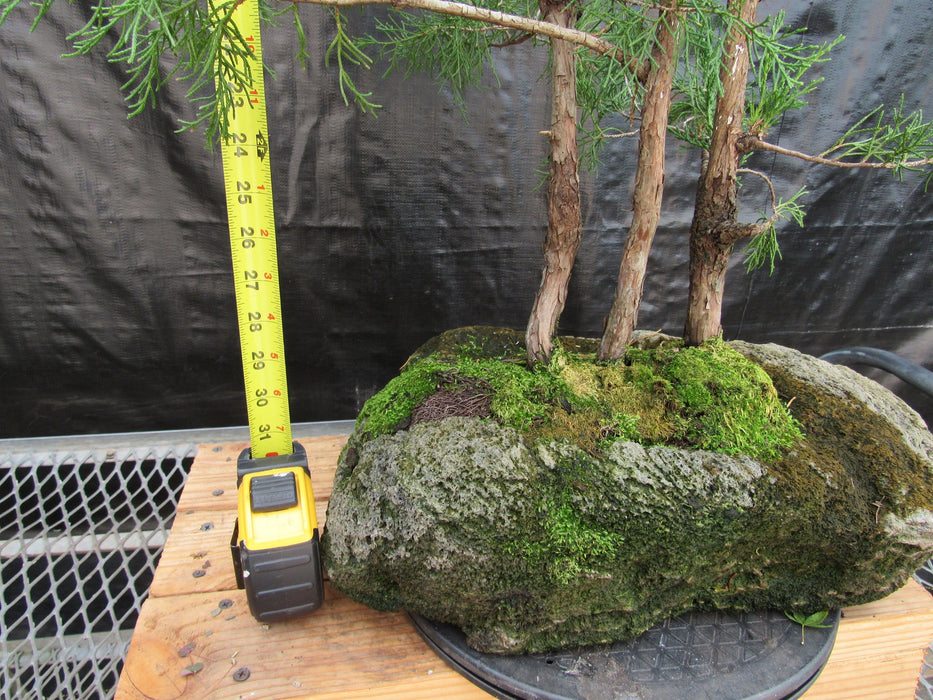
81 532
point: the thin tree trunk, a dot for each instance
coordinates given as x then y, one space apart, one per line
716 200
649 187
563 191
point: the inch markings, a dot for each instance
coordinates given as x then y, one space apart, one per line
248 184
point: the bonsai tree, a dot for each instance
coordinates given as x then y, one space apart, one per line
739 128
612 494
705 71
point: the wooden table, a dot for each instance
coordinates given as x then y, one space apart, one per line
349 651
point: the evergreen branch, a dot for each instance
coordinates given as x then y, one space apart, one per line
502 19
347 51
777 81
514 41
730 232
758 173
752 142
453 49
209 52
6 7
763 247
905 142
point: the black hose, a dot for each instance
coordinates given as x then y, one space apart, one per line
913 374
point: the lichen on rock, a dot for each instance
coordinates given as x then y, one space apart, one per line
545 523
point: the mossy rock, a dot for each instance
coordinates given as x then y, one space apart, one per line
584 502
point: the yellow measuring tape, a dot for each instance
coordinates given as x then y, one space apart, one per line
248 180
275 544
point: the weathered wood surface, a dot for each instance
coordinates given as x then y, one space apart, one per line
348 651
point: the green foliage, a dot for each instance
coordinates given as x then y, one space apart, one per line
607 88
454 50
904 141
763 247
729 402
209 52
395 402
696 83
621 426
204 48
567 545
518 393
804 620
777 81
346 49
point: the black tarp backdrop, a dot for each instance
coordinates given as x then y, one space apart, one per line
116 301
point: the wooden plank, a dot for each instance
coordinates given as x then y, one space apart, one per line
344 648
912 599
196 560
879 648
348 652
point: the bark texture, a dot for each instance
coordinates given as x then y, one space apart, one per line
563 192
649 187
712 231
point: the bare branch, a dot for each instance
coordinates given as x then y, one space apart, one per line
767 180
502 19
729 233
515 41
751 142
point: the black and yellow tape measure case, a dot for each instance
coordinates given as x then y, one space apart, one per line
276 546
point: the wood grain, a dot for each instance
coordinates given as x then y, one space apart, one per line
349 652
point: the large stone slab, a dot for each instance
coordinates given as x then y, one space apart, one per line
532 547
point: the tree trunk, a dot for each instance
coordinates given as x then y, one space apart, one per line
563 191
649 187
716 207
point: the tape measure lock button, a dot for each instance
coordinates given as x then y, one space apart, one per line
273 492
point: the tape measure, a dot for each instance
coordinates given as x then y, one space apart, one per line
248 180
275 544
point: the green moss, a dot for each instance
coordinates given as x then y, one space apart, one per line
566 546
389 408
709 397
729 403
857 451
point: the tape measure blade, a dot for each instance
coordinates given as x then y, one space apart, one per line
248 182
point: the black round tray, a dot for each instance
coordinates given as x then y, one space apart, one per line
696 655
